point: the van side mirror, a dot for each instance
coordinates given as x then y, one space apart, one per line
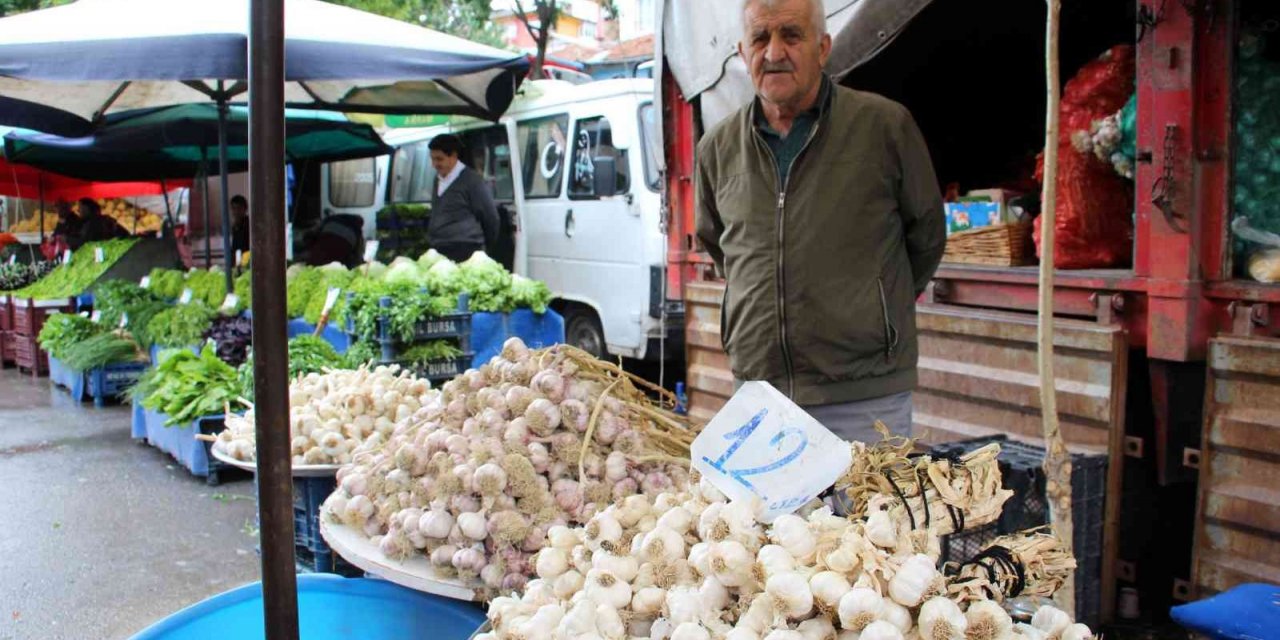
606 176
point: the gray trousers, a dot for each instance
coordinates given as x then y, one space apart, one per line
856 421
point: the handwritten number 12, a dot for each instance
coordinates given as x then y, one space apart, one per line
740 435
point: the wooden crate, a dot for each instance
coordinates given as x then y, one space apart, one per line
7 345
1002 245
6 313
29 356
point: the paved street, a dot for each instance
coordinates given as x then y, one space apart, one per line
101 536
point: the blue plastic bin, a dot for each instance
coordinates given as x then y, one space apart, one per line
329 608
112 380
180 442
67 378
490 330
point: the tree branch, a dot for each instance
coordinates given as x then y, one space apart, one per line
524 18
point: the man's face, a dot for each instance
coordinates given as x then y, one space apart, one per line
783 51
443 163
238 211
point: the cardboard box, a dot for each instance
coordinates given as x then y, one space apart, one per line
963 216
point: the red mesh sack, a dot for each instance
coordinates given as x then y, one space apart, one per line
1094 213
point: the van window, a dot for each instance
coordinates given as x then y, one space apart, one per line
412 174
542 147
593 140
353 183
648 140
487 151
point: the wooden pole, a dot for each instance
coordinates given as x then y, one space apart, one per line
1057 460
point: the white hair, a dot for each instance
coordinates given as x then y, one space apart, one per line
817 9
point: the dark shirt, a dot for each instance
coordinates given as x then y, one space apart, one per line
98 228
787 148
464 214
240 237
68 227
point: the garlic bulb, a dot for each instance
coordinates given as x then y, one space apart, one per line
690 631
828 588
880 530
730 563
784 634
880 630
1050 620
941 619
609 623
819 628
792 533
648 601
552 562
791 592
775 559
898 615
1024 630
603 587
742 633
913 580
859 607
1077 631
988 621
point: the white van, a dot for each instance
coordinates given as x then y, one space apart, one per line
572 167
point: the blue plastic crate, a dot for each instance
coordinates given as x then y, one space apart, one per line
308 495
329 608
66 377
111 381
441 370
490 330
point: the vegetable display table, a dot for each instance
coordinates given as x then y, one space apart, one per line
71 380
180 442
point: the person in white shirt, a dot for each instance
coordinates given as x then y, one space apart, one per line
464 218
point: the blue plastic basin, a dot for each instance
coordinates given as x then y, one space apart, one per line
329 607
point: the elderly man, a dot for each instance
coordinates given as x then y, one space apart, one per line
820 207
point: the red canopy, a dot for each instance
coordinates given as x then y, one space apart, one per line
23 181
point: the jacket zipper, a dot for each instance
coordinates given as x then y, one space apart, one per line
890 332
781 268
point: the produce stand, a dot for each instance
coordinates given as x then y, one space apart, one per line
415 572
28 318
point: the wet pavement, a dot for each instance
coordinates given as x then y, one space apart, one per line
101 536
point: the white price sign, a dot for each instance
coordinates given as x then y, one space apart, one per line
124 320
331 299
761 445
95 316
239 255
186 297
13 258
370 250
99 255
230 301
66 257
146 282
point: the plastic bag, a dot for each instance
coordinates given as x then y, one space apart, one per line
1263 265
1094 213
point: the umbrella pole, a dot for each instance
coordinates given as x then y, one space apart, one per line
204 193
168 210
40 189
227 253
271 358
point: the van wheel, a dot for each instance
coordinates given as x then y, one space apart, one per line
582 330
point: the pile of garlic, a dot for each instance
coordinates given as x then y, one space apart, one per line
477 479
334 412
691 566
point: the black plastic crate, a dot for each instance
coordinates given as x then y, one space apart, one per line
441 370
1021 471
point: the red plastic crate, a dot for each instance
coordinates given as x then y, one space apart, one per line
6 314
29 315
7 345
29 356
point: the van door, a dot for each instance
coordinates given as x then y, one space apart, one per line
355 187
589 247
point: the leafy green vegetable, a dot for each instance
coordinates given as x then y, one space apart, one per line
300 291
209 287
18 275
63 330
167 284
487 282
115 297
180 325
404 271
533 294
329 279
362 353
105 348
84 269
185 386
410 305
307 354
430 352
244 291
140 316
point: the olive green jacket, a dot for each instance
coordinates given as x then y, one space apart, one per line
822 272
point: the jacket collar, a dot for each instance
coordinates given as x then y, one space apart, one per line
819 108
